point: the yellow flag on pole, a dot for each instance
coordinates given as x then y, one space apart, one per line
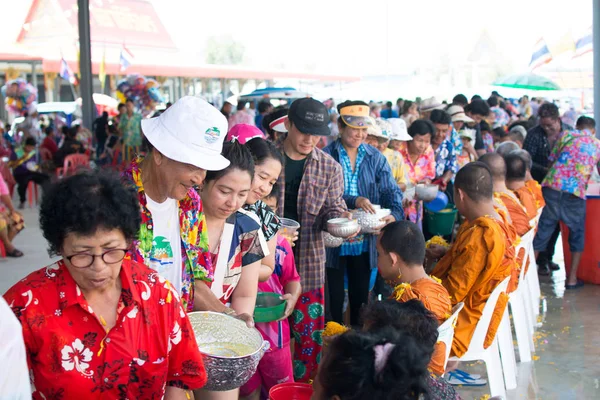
102 71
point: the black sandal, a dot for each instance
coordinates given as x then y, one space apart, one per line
15 253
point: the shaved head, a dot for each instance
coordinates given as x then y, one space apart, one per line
475 180
506 148
516 167
495 162
524 154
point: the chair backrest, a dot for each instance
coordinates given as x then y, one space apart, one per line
75 161
525 245
483 325
446 330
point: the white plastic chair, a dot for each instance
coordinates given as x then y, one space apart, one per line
446 330
507 352
520 308
491 355
533 284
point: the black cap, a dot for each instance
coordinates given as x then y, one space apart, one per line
310 116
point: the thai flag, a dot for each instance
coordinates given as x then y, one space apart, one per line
584 45
65 72
541 55
125 59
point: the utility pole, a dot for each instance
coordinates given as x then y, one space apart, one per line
85 63
596 44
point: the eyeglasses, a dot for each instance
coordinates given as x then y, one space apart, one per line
83 260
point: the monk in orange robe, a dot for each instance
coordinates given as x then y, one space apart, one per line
477 261
517 219
516 171
401 249
516 210
534 187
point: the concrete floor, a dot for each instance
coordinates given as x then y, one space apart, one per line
567 358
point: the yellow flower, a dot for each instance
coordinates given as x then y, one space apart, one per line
438 280
437 240
400 289
333 328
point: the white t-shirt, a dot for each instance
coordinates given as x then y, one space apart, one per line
14 379
165 256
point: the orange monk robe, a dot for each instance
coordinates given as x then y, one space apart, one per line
528 200
516 211
521 222
473 267
436 299
512 241
536 189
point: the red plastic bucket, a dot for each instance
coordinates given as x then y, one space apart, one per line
589 267
291 391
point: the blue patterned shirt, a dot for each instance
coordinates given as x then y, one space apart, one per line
355 246
445 159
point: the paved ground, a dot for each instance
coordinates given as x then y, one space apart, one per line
566 362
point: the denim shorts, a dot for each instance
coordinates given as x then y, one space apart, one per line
565 207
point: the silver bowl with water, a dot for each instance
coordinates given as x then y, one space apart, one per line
427 192
231 350
342 227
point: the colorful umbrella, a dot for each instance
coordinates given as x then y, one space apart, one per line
526 81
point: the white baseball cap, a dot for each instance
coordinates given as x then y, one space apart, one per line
399 131
191 131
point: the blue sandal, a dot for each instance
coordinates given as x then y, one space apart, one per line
460 380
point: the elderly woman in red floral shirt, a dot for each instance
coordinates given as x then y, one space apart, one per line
96 324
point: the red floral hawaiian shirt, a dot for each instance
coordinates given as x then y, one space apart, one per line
72 356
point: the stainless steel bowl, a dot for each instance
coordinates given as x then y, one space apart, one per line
332 241
427 192
342 227
371 223
231 350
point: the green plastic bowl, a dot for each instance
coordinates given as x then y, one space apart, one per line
269 307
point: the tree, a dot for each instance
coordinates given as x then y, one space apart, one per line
224 50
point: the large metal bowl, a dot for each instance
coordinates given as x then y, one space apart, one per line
342 227
231 350
427 192
371 223
332 241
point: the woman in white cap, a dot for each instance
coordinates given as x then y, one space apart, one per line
184 142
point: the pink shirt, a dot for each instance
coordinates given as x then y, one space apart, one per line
278 332
3 187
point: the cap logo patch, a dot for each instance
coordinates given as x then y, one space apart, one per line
311 116
212 135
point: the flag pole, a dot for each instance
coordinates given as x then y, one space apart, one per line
596 47
85 63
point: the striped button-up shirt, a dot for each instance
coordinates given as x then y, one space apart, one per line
319 200
376 183
357 245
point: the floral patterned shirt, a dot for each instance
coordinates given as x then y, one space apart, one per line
196 260
488 142
573 159
423 169
71 355
445 159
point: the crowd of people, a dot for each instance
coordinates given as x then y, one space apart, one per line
194 224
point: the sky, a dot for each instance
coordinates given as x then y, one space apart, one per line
376 36
363 38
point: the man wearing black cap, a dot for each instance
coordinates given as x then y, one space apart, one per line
312 186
